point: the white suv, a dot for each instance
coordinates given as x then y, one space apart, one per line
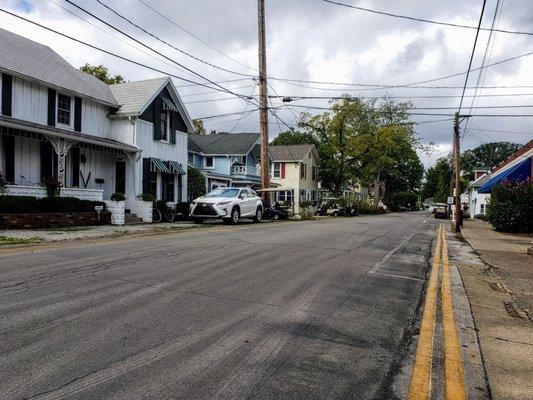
229 204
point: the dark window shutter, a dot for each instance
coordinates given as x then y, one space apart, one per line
7 94
51 107
75 157
158 106
282 172
172 127
9 156
77 114
46 160
146 175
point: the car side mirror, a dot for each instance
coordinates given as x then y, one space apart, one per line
241 196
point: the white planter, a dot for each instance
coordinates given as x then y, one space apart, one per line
39 192
117 209
143 209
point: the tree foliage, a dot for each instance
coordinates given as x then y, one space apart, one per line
295 137
199 127
511 207
486 155
366 142
438 182
102 73
195 182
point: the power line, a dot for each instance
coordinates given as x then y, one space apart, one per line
155 51
194 36
472 55
169 44
296 98
429 21
503 131
225 81
225 115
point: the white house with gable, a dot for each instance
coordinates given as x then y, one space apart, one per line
57 122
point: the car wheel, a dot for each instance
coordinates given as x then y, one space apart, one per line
258 215
275 217
235 215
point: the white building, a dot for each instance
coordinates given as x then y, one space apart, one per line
477 202
96 139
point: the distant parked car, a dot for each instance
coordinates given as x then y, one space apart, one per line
441 210
276 212
229 204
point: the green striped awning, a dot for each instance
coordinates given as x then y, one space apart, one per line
158 165
176 167
168 104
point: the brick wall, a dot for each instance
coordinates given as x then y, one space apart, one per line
53 220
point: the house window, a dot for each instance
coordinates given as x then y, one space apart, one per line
285 197
164 126
302 194
190 158
276 170
303 171
482 208
153 184
169 190
243 160
314 175
64 105
209 162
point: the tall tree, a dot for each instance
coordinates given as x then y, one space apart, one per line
486 155
438 181
295 137
199 127
102 73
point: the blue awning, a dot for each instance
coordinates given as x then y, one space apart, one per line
519 173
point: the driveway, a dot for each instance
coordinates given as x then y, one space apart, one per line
295 310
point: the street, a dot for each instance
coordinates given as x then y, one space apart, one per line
308 310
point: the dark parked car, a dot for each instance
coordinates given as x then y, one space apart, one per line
275 213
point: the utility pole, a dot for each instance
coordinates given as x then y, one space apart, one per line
458 217
263 104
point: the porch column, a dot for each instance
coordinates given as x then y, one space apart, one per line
61 147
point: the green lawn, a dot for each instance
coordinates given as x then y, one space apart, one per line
7 241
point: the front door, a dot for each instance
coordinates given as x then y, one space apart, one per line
120 177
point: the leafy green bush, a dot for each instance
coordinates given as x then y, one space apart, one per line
146 197
117 196
481 217
195 183
28 204
406 199
364 207
306 204
511 207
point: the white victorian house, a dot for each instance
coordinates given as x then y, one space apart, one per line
96 139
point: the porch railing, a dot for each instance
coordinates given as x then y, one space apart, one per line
244 170
39 191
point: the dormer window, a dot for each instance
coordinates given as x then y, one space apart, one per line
164 126
209 162
64 109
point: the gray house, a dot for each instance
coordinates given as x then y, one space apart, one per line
57 122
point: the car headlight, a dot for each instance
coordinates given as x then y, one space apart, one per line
223 203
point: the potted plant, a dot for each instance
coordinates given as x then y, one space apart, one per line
117 207
144 206
3 183
52 186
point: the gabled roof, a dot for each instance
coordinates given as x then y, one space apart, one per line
134 96
223 143
516 156
35 62
480 181
290 153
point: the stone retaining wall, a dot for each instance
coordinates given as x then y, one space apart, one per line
53 220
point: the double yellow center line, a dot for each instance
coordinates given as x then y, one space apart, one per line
454 388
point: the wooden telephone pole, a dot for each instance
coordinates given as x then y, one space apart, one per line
263 105
458 217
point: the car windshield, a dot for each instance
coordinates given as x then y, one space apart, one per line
223 192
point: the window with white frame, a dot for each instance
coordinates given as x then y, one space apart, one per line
209 162
64 109
482 208
285 197
276 170
303 171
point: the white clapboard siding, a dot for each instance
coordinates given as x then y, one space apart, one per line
122 129
30 101
94 119
27 161
155 148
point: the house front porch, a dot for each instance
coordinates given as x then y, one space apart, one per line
85 166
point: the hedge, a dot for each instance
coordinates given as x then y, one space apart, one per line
511 207
30 205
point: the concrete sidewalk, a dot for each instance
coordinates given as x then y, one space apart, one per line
498 279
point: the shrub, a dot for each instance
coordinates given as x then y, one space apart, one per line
52 186
195 183
511 207
146 197
117 196
306 204
364 207
31 205
481 217
3 183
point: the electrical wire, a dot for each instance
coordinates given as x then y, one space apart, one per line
429 21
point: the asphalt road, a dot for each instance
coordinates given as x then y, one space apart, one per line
296 310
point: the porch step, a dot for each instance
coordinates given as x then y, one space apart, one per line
132 219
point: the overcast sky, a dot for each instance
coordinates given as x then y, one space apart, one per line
308 40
